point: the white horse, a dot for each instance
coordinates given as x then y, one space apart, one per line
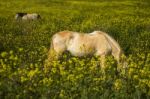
27 16
79 44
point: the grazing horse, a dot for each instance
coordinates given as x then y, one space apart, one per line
79 44
26 16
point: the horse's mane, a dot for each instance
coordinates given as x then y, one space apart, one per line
111 40
114 43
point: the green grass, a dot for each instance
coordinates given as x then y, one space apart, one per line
127 21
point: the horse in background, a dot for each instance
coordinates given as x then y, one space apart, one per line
27 16
80 44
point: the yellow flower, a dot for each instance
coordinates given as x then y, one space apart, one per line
135 77
20 49
3 54
118 84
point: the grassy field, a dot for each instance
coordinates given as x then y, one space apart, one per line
24 47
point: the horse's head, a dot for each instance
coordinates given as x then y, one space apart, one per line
20 15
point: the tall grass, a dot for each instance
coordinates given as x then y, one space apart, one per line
24 47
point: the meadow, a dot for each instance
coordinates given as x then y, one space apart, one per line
24 46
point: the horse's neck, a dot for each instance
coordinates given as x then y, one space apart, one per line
111 40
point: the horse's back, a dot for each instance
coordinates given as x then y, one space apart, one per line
87 43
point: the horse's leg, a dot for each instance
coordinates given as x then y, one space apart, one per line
102 56
121 60
102 61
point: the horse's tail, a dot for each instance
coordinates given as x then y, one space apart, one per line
51 45
47 62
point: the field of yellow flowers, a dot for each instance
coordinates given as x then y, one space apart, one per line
24 46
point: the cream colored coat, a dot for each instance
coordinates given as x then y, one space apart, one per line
80 44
